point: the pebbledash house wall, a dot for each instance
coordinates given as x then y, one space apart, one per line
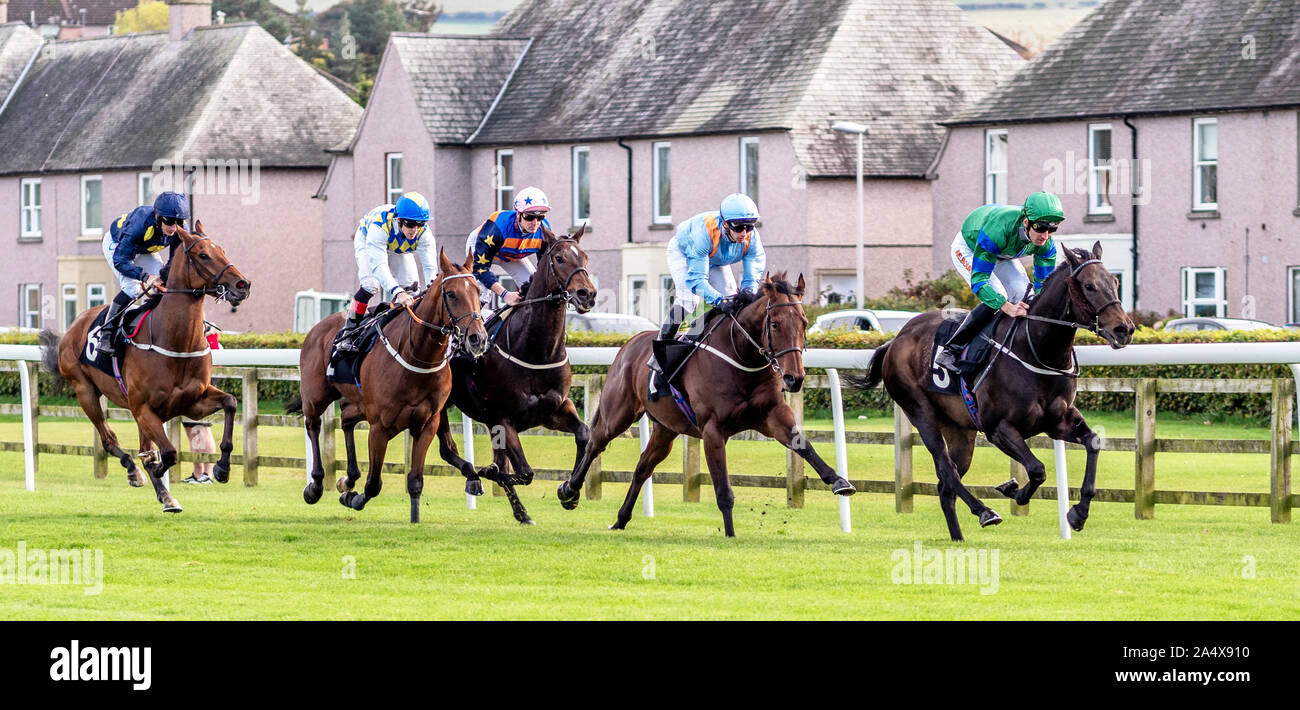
273 240
1257 193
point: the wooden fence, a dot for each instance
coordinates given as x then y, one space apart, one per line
1144 496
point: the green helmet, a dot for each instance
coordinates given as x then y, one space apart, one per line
1044 206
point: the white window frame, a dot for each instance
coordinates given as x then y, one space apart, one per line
632 279
992 186
667 294
85 229
745 142
96 295
1099 202
140 197
1219 300
24 313
29 213
69 292
1198 163
498 184
393 192
656 175
578 216
1292 294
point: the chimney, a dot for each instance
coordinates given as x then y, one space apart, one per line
185 15
4 11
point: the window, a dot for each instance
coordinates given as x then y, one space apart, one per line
749 167
581 185
504 176
30 212
637 295
95 295
92 203
144 189
1100 170
1203 292
661 181
995 167
669 296
29 305
69 305
394 179
1293 294
1205 189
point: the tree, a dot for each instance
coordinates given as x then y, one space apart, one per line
260 11
148 16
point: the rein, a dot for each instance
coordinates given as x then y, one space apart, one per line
561 294
771 359
453 331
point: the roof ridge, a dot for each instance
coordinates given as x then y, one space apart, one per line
504 85
199 124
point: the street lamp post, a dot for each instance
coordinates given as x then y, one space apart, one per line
860 130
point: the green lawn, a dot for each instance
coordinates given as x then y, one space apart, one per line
261 553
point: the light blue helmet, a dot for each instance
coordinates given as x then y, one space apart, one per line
738 206
172 204
412 206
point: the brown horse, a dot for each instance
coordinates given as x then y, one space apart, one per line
402 389
523 380
167 369
1029 388
733 386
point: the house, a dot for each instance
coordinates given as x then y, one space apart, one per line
67 19
93 128
1169 129
634 115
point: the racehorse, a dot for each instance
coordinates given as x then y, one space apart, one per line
523 380
734 386
166 369
402 389
1028 389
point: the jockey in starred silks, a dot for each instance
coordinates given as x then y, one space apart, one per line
700 256
383 244
510 239
131 245
987 253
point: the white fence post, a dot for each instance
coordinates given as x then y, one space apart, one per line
467 435
28 388
1062 488
648 490
841 447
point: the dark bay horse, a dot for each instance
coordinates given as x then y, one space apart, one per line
1028 390
167 369
734 385
523 379
404 383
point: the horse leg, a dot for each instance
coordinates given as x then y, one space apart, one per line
656 450
151 430
374 479
512 452
449 453
780 425
415 478
950 485
316 476
212 400
566 419
89 399
608 423
961 447
1074 429
1009 441
349 481
715 453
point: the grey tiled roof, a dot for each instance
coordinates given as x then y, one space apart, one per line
98 12
234 93
1158 56
455 79
604 69
17 45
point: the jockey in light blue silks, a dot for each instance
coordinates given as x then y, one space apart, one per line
383 244
701 253
131 245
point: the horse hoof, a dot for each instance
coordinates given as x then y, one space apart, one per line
171 506
842 487
568 498
221 472
1075 520
135 480
1008 489
341 484
489 471
616 526
312 492
474 487
353 500
989 517
527 521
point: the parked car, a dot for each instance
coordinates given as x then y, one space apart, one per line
621 323
864 319
1206 323
1292 325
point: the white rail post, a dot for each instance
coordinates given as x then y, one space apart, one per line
841 447
28 387
648 490
467 436
1062 488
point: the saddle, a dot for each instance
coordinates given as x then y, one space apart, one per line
128 325
671 356
974 358
345 368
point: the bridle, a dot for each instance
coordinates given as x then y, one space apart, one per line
561 293
453 331
772 358
1095 326
212 280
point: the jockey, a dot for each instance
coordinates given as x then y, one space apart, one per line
382 244
507 238
987 254
131 245
700 256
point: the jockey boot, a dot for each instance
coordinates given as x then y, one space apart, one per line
345 341
974 323
107 333
668 331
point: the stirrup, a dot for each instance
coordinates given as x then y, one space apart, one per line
946 359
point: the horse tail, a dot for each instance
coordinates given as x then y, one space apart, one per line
875 371
294 406
50 353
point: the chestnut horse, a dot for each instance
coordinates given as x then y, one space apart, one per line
523 381
1028 389
733 386
167 369
401 389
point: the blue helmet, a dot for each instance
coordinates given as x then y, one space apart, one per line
738 206
412 206
172 204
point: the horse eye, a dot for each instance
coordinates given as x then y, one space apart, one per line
204 256
1090 287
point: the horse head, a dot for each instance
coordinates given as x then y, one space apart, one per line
1094 296
207 269
565 264
775 319
456 294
